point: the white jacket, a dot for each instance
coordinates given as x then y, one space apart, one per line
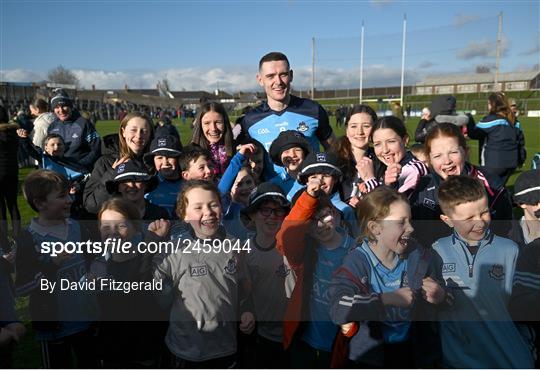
41 125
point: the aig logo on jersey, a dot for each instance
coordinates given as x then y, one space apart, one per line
263 131
231 266
497 272
198 270
448 267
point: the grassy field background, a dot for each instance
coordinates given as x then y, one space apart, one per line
27 352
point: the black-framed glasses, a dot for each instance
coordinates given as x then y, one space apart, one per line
267 212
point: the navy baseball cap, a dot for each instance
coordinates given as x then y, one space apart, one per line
167 146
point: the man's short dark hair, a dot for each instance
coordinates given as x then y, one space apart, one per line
274 56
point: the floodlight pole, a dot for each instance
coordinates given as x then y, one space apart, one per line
313 68
498 52
403 59
361 63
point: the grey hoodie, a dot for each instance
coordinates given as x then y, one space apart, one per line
202 291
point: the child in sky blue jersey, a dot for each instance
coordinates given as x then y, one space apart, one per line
51 157
387 287
478 267
314 244
235 186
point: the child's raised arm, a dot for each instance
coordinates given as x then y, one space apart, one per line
33 151
235 165
291 238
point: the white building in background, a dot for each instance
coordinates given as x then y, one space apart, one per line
477 82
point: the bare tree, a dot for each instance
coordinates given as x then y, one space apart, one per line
62 75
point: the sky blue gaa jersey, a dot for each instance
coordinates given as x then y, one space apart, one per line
303 115
477 331
397 323
320 331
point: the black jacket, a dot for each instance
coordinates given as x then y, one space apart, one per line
9 143
501 141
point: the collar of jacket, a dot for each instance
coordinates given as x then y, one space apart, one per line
486 241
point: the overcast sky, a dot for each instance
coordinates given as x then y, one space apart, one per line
203 45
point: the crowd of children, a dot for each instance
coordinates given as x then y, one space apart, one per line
364 255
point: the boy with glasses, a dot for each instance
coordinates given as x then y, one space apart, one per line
269 272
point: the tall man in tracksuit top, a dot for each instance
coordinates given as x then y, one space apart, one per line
82 142
283 111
